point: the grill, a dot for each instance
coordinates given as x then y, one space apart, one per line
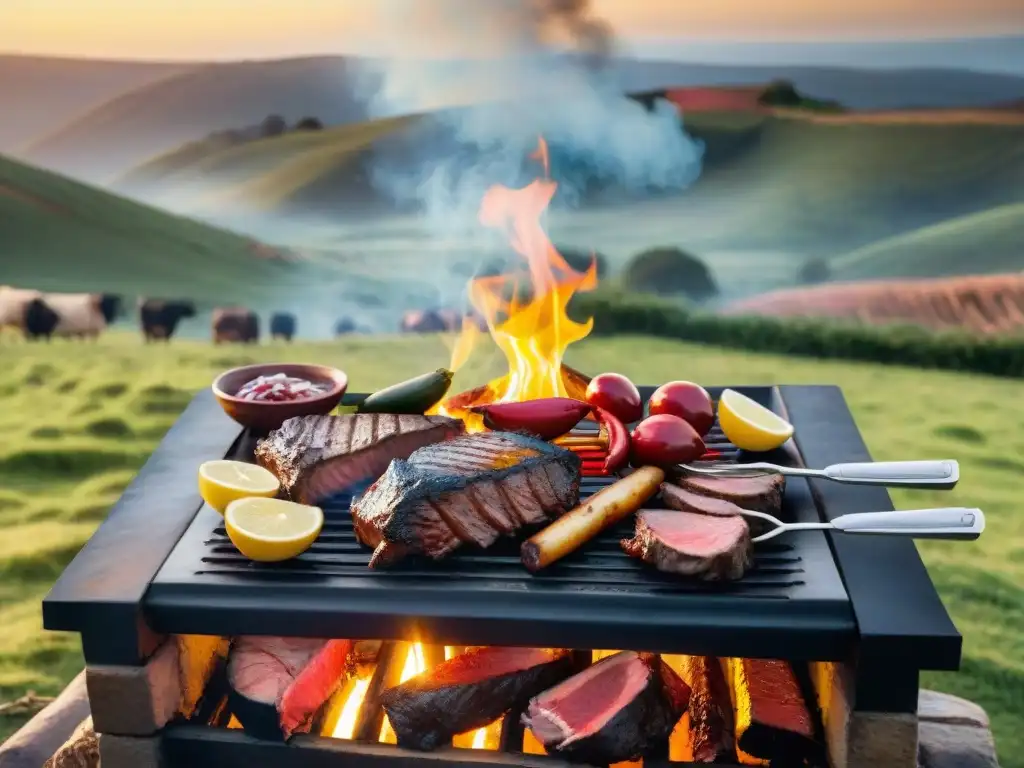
862 608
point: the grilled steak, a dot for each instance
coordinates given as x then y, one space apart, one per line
317 456
470 490
710 547
772 718
278 684
470 691
685 500
711 720
761 493
618 709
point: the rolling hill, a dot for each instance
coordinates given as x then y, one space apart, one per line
40 94
155 119
784 180
986 305
58 234
986 242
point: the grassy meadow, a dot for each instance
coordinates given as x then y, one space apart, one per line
80 419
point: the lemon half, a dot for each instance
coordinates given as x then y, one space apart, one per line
749 425
270 530
223 481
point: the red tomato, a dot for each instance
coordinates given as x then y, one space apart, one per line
618 395
663 440
686 400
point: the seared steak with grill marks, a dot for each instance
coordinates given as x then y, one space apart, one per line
710 547
470 691
470 490
761 493
685 500
618 709
317 456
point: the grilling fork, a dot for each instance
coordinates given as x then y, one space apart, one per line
940 475
959 523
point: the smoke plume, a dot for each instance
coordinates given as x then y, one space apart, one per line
496 75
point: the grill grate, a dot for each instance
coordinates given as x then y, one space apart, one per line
793 597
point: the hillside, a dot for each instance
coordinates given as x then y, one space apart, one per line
61 469
987 305
157 118
152 120
39 94
990 241
768 181
58 234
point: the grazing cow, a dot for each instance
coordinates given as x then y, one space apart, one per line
345 326
159 318
282 325
13 303
236 324
40 320
83 315
430 321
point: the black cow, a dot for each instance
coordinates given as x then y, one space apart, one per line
40 320
345 326
159 318
282 325
235 324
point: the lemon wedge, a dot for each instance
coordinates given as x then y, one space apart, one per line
223 481
269 530
749 425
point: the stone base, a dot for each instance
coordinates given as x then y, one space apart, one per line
953 733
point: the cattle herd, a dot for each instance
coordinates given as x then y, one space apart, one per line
44 315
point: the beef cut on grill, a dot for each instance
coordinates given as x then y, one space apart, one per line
470 691
711 721
469 490
685 500
711 547
316 456
618 709
761 493
772 718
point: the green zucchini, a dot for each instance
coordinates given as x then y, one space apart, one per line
416 395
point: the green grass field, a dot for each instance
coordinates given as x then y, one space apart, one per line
80 419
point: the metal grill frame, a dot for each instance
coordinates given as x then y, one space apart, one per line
901 626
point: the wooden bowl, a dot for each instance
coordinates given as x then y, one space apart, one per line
261 416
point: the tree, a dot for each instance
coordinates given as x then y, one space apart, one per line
273 125
670 271
309 124
814 271
780 93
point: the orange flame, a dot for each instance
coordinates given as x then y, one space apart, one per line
532 330
415 663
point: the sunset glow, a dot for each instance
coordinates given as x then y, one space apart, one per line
230 29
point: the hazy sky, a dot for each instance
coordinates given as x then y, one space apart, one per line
218 29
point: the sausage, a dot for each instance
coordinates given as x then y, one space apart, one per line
605 508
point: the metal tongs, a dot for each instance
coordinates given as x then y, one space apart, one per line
933 475
960 523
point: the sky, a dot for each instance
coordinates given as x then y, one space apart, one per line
232 29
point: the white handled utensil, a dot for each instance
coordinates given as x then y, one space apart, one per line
943 523
934 475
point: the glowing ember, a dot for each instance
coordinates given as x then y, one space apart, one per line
356 692
414 664
532 330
